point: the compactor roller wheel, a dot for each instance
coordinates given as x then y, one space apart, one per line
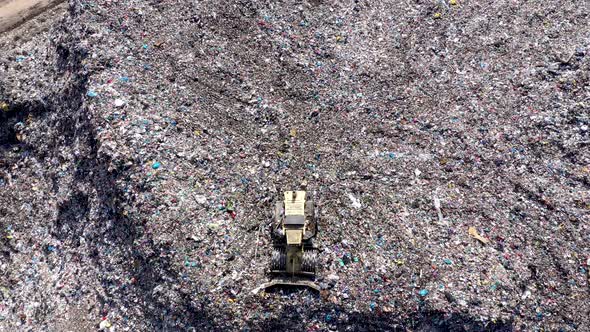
310 216
309 261
278 260
310 209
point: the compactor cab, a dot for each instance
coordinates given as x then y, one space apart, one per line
294 258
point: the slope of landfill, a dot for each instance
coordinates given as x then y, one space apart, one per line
143 144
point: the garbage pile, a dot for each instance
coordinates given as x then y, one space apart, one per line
143 144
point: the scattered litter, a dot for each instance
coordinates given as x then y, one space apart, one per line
473 232
354 201
437 207
119 102
104 325
142 144
201 199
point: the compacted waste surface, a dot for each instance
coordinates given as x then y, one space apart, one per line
446 144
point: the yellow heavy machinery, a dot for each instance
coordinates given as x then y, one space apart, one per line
294 258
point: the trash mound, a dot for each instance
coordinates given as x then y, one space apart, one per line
143 144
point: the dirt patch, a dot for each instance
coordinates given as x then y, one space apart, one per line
14 13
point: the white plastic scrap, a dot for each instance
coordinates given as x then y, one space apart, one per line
201 199
355 202
437 207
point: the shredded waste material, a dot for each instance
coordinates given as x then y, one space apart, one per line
446 144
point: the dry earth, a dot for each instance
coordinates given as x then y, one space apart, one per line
16 12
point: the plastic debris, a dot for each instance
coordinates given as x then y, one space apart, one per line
438 210
104 324
354 201
473 232
201 199
119 102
